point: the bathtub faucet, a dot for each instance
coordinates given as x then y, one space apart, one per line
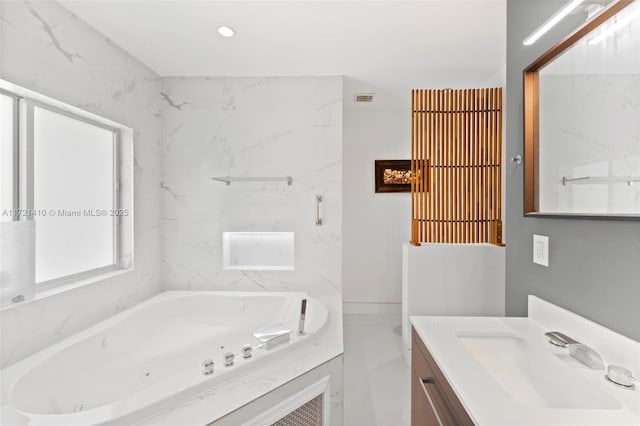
303 311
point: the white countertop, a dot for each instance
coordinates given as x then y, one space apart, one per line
489 401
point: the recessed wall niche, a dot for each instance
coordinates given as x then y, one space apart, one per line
265 251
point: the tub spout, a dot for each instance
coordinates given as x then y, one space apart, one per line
303 312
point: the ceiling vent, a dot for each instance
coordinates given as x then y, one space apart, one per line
363 97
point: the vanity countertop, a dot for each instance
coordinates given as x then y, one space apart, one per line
505 372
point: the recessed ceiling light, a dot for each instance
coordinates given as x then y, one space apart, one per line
225 31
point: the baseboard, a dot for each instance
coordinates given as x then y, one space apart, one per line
371 308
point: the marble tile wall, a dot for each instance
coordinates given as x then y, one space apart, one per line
589 127
185 131
45 48
289 126
17 257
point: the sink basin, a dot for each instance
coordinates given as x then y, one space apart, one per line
530 377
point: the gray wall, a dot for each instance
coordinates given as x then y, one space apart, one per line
594 265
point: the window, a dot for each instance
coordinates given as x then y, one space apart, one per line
7 159
60 170
74 195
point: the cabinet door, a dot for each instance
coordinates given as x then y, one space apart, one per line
422 412
428 405
433 401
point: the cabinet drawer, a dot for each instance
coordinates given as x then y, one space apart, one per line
433 402
429 407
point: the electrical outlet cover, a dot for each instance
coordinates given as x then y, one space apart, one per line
541 249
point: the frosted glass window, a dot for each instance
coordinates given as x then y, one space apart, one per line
74 196
7 116
267 251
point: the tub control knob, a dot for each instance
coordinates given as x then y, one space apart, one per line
246 351
228 359
208 367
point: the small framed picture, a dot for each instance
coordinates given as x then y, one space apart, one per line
393 175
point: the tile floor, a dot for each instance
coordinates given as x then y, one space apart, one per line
376 378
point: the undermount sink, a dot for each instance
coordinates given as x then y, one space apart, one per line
531 378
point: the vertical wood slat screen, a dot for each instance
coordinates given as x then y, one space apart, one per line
456 164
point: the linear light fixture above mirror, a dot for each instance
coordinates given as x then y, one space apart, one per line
551 22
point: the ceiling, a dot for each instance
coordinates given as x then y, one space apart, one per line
373 43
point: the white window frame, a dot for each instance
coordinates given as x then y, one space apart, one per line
23 185
14 141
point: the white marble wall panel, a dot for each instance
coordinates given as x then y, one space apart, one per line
17 257
250 127
589 126
45 48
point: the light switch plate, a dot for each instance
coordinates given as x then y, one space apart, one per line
541 249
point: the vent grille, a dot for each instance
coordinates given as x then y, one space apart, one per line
309 414
364 97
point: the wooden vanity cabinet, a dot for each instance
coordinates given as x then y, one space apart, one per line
433 402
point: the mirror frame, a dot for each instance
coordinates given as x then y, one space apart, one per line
531 115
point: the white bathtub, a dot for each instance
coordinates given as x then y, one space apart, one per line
149 355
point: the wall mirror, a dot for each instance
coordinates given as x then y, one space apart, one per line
582 120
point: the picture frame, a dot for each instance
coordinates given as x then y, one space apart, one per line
392 176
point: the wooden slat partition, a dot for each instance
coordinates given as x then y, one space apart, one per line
456 162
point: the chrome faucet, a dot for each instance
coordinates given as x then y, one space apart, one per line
586 355
303 313
558 339
579 351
